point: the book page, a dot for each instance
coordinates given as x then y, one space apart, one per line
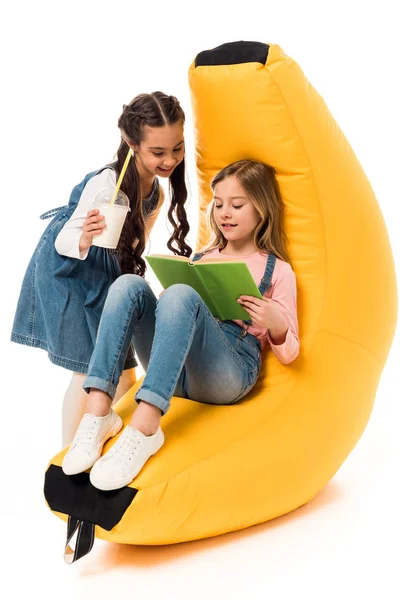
170 271
170 256
220 259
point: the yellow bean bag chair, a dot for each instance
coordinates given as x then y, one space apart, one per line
224 468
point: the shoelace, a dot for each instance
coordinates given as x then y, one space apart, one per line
85 432
127 449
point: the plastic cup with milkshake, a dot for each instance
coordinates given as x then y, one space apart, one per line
114 215
114 206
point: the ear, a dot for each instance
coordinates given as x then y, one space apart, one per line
134 147
129 143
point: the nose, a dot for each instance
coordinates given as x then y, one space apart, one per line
169 163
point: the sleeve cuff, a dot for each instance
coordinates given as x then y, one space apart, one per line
71 251
84 254
287 351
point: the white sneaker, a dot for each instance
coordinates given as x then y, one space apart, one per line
123 462
88 442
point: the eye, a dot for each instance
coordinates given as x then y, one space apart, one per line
178 149
157 153
218 206
238 206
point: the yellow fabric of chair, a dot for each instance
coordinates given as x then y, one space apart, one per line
224 468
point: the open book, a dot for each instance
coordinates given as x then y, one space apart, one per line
218 282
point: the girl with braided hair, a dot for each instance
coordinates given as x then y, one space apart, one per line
67 279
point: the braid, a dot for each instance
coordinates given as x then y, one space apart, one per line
155 110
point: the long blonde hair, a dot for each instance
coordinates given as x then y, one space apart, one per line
259 181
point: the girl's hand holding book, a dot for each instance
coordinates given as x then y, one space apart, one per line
265 313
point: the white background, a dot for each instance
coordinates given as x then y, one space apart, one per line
67 69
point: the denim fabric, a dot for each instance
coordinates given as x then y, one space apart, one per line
62 298
266 280
184 350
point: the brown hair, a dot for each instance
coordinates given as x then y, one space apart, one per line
155 110
259 181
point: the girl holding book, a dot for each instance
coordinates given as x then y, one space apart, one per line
184 350
67 280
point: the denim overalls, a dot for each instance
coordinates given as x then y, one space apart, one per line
184 350
62 298
237 335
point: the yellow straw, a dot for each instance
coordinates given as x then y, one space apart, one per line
128 156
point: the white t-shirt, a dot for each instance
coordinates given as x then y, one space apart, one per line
67 241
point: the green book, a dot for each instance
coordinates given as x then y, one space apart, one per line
218 282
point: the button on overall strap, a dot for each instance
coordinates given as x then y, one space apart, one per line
266 280
52 212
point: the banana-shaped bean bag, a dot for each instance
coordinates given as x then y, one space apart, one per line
224 468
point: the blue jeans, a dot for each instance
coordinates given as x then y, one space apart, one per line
184 350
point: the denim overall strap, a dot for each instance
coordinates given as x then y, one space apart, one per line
266 282
52 212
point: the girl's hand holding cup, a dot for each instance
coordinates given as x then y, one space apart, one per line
93 225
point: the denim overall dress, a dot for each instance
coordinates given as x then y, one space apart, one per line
235 332
62 298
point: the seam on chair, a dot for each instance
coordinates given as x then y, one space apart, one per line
343 337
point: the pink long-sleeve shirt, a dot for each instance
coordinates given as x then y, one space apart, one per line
283 292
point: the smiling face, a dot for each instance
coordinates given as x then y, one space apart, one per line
160 151
234 213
